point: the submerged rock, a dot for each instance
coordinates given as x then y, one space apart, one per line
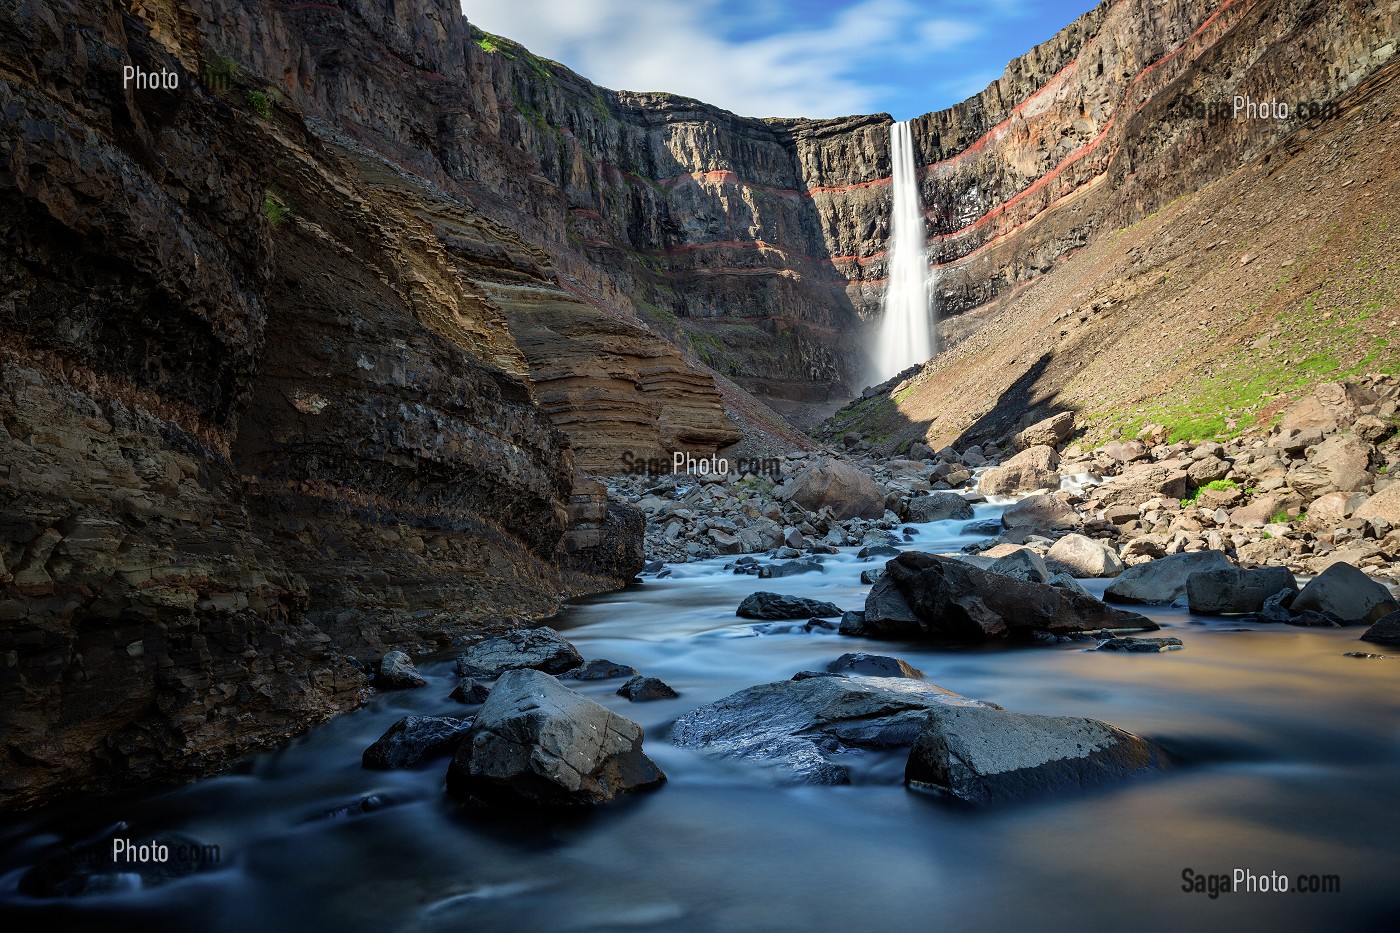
1129 643
873 665
640 689
538 742
1162 581
599 669
396 672
775 607
796 726
986 755
1236 590
790 568
414 739
541 649
931 597
1346 595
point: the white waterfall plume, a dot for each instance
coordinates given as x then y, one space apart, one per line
907 333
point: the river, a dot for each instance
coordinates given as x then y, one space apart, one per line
1289 756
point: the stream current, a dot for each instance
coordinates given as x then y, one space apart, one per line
1289 751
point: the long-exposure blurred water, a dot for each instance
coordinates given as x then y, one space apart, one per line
1290 750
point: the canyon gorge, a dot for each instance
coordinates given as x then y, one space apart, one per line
330 350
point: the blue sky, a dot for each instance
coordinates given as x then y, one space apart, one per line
790 58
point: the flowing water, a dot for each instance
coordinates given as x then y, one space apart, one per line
907 335
1290 751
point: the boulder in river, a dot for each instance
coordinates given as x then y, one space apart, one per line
1386 630
538 742
873 665
640 689
775 607
396 672
1346 595
541 649
1235 590
1084 557
599 669
987 755
470 691
790 568
1142 645
937 507
414 739
1039 514
795 725
926 596
1162 581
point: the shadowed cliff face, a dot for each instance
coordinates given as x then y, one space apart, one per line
252 420
758 247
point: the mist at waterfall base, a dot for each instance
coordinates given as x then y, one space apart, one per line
907 335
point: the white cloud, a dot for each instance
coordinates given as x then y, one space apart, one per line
687 47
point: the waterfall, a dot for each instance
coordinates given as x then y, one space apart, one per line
907 332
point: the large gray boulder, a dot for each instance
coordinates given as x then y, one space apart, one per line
1084 557
937 507
1345 595
1039 514
541 649
414 739
1051 432
1163 580
775 607
928 597
396 672
1020 564
1235 590
798 726
847 490
873 665
538 742
985 755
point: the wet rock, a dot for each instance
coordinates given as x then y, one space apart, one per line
937 507
1145 645
396 672
1234 590
790 568
993 755
776 607
1039 514
640 689
798 726
92 867
599 669
1085 557
877 550
873 665
538 742
470 691
541 649
925 596
987 526
871 576
853 621
1346 595
846 489
414 739
1385 631
1163 580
